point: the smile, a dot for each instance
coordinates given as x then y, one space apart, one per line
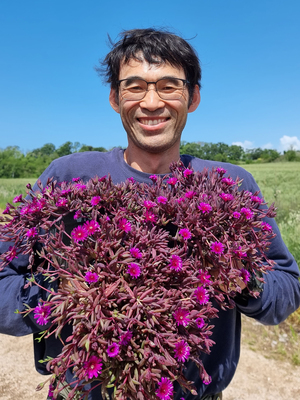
147 121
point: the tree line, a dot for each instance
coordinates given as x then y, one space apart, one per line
15 164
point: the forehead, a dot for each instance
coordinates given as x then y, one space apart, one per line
149 72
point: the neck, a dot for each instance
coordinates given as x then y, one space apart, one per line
151 163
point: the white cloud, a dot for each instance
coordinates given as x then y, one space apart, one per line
267 146
246 144
289 142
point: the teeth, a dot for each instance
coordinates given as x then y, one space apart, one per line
152 121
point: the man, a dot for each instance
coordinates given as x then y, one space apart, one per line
155 83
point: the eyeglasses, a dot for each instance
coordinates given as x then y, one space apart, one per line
166 88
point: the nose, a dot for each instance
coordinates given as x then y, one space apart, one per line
152 101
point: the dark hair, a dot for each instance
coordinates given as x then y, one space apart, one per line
156 46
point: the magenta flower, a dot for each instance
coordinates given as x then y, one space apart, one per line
165 389
134 270
256 199
221 170
12 254
51 392
17 199
92 367
135 252
62 202
124 225
190 194
266 227
32 232
175 263
205 207
187 172
79 233
78 214
131 179
42 314
247 212
185 233
172 181
204 277
236 215
95 200
162 200
217 247
76 179
113 350
91 227
65 191
180 200
153 178
149 204
80 186
149 216
125 338
182 351
91 277
226 196
245 275
200 323
228 181
181 317
240 253
201 295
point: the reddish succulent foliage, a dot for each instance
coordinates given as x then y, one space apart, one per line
139 271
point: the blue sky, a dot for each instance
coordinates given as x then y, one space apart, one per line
50 93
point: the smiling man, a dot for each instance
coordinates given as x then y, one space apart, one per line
155 83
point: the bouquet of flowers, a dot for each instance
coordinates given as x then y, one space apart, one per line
135 273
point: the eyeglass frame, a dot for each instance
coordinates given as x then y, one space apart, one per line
185 83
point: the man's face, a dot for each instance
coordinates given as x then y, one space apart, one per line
152 124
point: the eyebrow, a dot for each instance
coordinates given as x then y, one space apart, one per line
133 77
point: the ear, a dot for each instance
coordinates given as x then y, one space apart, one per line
196 100
114 100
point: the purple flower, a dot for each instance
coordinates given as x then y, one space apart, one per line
175 263
205 207
187 172
149 204
181 317
204 277
190 194
124 225
201 295
226 196
91 227
32 232
162 200
172 181
200 323
256 199
50 392
182 351
245 275
80 186
78 214
11 255
91 277
62 202
217 247
113 350
247 212
149 216
134 270
65 191
180 200
95 200
266 227
240 253
221 171
42 314
165 389
228 181
131 179
125 338
17 199
185 233
236 214
76 179
79 233
153 178
135 252
92 367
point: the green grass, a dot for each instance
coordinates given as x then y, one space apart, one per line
9 188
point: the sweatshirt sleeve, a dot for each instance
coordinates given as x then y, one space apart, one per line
281 290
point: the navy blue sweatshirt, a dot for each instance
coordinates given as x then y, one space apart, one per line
280 297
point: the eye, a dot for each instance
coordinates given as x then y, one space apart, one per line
134 86
169 85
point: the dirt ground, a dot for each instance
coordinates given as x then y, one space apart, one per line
257 377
